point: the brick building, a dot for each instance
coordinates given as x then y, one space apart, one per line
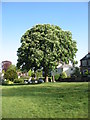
5 65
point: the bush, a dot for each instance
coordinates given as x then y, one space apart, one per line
86 72
10 74
69 76
57 77
33 75
24 77
32 78
8 82
76 72
63 75
39 73
19 80
29 73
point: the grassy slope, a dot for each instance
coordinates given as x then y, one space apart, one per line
48 100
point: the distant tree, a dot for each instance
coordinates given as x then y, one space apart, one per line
75 62
57 76
38 73
43 46
76 72
63 75
11 73
12 67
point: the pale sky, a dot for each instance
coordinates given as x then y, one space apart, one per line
17 17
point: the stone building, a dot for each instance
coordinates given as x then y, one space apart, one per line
85 63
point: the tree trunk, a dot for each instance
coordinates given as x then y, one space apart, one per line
46 79
46 75
53 78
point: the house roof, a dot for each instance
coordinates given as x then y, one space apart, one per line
6 61
86 57
64 66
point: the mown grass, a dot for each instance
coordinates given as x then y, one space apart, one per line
48 100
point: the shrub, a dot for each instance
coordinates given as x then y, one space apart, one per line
69 76
63 75
10 74
24 77
76 72
8 82
29 73
33 74
86 72
19 80
39 73
32 78
57 77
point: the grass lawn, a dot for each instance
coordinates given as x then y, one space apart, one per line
47 100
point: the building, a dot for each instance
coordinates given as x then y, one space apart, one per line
63 68
85 63
5 65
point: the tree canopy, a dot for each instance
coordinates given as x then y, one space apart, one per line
44 46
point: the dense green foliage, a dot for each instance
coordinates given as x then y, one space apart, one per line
86 72
11 73
57 76
20 80
48 100
63 75
38 73
43 46
33 74
76 72
30 72
8 82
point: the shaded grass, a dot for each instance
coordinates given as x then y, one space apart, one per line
48 100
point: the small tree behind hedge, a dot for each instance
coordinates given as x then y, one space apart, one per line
29 73
76 72
11 74
57 76
38 73
63 75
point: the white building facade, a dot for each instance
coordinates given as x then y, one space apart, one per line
63 68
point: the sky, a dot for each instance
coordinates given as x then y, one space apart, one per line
89 26
18 17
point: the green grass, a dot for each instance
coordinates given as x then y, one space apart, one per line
48 100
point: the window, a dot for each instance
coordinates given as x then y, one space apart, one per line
84 62
88 56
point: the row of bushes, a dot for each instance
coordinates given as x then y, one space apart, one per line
77 79
62 75
21 81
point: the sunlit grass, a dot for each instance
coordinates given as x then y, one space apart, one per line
48 100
